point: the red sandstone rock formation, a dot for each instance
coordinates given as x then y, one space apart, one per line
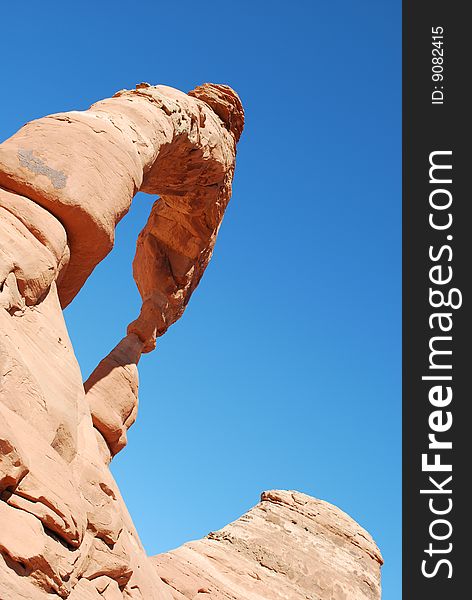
288 546
65 182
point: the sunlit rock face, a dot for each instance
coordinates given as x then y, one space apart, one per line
289 546
66 180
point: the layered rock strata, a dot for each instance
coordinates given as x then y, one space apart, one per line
289 546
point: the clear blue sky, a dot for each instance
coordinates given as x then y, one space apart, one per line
285 370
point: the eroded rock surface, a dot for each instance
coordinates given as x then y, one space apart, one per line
288 547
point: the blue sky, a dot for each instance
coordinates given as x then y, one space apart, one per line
285 370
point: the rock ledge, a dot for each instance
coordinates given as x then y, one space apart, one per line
288 547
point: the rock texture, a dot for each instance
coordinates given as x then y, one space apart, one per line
65 182
288 547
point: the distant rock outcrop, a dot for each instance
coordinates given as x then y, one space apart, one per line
290 546
65 182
